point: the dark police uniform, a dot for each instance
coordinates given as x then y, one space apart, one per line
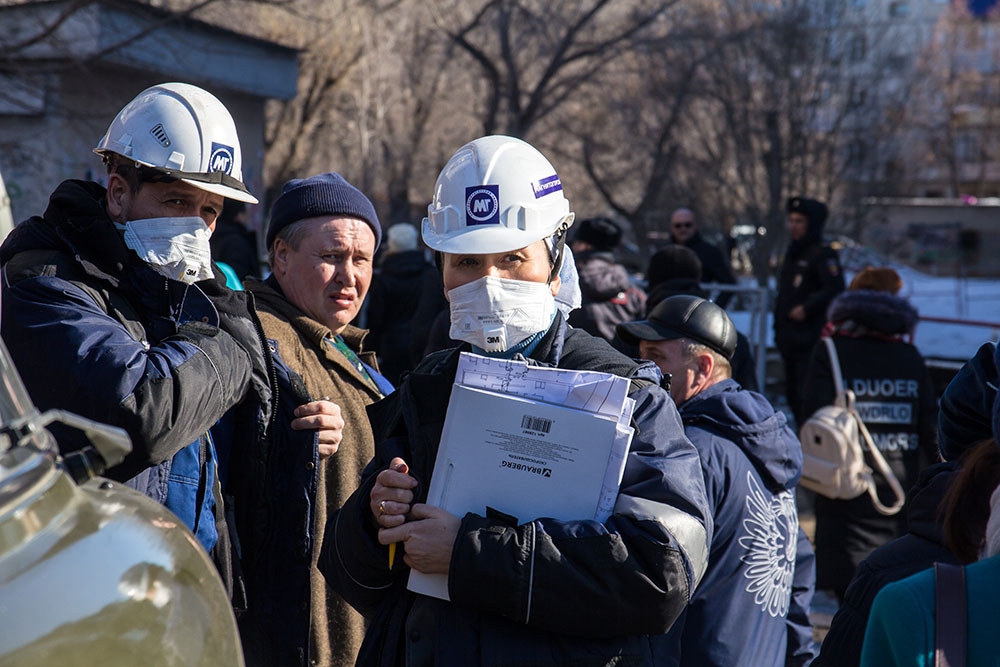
810 276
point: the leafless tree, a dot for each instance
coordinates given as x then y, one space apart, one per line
727 106
532 56
954 125
627 127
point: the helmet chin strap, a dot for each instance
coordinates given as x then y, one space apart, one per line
558 247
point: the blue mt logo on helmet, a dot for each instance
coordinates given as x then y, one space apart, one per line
221 159
482 205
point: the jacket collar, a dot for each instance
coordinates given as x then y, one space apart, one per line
269 292
77 224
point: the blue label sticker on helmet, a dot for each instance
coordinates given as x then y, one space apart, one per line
482 205
547 186
222 158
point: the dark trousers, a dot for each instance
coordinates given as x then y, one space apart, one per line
796 363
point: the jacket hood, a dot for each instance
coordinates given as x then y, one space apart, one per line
601 277
924 500
749 421
966 405
877 311
77 223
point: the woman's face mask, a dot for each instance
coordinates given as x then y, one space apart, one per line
495 314
176 247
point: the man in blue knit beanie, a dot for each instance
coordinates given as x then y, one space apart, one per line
321 241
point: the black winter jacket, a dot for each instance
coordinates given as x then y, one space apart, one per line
917 550
546 592
392 304
892 385
170 363
811 277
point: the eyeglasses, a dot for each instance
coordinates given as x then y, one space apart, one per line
682 225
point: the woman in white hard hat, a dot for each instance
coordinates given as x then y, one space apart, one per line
547 591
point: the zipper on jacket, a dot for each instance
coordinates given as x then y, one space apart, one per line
272 375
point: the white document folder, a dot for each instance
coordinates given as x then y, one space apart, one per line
524 458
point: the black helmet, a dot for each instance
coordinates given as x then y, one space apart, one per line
684 316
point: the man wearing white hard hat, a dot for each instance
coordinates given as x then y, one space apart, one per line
546 591
112 308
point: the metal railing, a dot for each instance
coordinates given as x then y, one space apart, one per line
752 315
756 302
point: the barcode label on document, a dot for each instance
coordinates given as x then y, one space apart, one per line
536 424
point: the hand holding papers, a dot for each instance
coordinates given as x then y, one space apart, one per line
529 442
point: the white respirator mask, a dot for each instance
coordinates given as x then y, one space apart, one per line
176 247
495 314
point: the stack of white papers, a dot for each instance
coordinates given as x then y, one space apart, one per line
529 442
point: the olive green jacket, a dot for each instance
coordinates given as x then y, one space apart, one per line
337 630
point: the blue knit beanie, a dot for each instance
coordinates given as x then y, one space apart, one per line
323 194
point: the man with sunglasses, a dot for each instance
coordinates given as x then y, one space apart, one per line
715 268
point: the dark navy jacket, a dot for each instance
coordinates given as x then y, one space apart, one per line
966 411
751 462
97 332
543 592
185 371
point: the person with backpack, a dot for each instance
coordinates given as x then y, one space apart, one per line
752 606
538 590
965 418
870 327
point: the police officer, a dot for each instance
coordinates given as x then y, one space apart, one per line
810 277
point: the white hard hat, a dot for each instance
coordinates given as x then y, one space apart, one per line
496 194
186 133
